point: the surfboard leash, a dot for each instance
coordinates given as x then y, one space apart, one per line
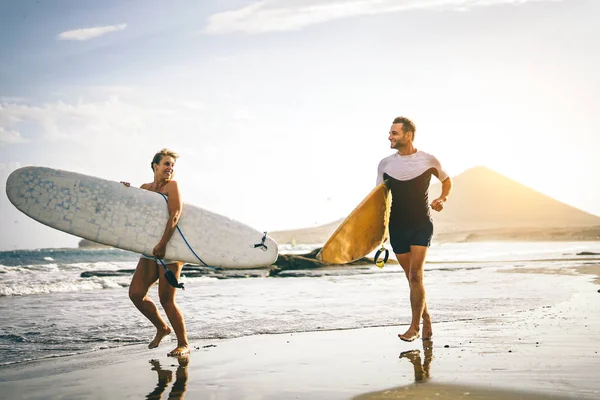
170 276
381 263
186 242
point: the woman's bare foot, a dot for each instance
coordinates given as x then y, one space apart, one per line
160 334
410 335
179 351
165 376
427 332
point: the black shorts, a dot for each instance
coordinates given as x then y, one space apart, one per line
403 236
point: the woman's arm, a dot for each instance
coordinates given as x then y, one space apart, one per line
174 205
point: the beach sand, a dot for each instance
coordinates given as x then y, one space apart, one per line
551 352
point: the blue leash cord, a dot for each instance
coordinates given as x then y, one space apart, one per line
169 275
186 242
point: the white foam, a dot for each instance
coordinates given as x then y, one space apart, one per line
63 286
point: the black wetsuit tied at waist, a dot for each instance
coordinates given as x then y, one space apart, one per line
410 200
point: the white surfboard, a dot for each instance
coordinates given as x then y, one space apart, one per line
134 219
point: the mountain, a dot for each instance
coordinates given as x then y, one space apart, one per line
486 205
484 199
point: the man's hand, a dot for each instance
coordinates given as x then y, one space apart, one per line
438 204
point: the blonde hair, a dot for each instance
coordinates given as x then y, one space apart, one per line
158 156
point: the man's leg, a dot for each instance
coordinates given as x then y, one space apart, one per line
417 292
405 260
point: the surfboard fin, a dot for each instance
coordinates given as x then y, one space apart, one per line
262 245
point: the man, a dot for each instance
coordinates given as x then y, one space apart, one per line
408 173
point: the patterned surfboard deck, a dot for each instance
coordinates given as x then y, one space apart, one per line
134 219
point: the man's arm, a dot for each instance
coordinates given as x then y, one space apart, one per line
438 204
379 173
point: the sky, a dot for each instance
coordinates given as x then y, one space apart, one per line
280 109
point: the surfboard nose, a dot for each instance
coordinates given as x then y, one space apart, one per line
12 185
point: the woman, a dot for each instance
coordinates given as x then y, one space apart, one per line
148 271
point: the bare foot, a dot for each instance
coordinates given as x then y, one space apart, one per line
427 332
412 355
410 335
160 334
165 376
179 351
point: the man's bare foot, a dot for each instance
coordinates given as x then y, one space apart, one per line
410 335
426 332
160 334
179 351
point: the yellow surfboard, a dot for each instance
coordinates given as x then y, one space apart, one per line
362 231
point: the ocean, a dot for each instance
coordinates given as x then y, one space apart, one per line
59 302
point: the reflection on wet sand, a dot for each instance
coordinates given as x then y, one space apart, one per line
414 356
431 391
422 389
165 376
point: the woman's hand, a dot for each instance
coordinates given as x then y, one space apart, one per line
159 250
126 183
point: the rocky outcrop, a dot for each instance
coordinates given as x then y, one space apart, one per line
286 262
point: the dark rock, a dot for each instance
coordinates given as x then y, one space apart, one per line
298 261
286 262
121 272
195 271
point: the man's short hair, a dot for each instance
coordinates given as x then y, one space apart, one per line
407 125
158 156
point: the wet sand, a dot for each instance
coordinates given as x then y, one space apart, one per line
547 353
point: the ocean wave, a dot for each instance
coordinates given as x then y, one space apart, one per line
24 288
68 353
13 338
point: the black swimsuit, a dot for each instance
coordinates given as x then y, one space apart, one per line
408 178
410 222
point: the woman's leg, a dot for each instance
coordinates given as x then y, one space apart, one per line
166 293
145 275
